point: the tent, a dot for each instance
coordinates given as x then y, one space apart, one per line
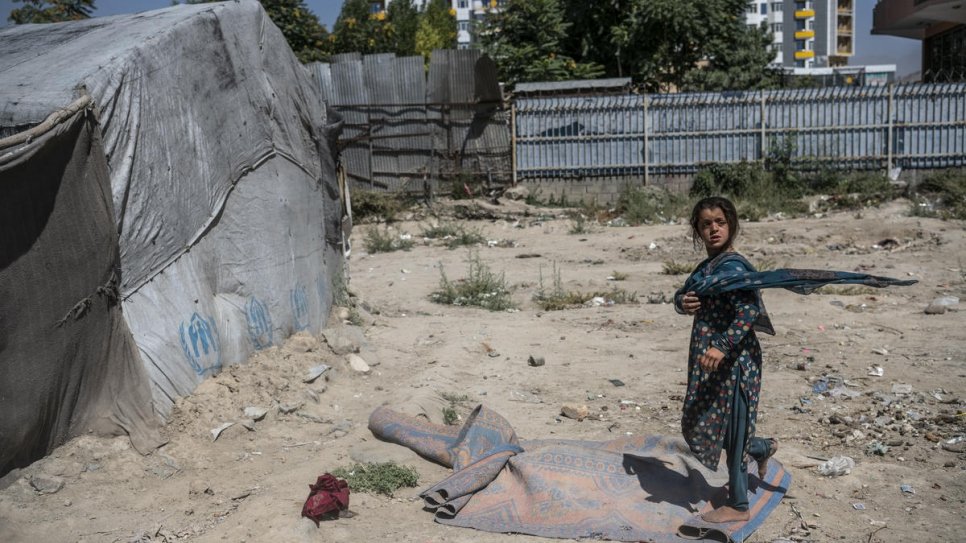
168 206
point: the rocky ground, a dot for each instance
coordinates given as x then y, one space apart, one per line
853 373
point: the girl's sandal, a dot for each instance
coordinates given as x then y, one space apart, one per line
763 463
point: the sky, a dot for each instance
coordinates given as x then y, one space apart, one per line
869 49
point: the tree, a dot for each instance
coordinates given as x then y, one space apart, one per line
51 11
524 39
436 29
352 28
738 63
404 20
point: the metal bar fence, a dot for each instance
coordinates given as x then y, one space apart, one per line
912 126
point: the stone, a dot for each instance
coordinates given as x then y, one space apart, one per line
215 432
315 372
518 192
302 342
536 361
255 413
357 363
344 339
46 484
286 408
577 412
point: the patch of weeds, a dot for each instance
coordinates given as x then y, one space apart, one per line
672 267
766 264
378 478
381 240
557 299
648 205
579 224
941 195
450 415
849 290
617 276
755 191
373 206
455 235
480 288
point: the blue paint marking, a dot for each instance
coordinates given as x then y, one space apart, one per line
300 307
199 341
323 287
259 323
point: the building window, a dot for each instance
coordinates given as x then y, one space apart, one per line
776 28
752 8
764 9
776 47
776 7
464 25
463 4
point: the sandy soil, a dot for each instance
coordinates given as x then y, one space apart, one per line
249 485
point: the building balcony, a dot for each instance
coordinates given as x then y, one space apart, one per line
804 14
802 55
804 34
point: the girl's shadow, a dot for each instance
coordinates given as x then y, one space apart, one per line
664 484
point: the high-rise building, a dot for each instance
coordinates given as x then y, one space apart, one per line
807 33
469 13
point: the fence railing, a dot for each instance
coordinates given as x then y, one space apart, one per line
908 126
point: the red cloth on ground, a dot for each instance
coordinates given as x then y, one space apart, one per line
327 497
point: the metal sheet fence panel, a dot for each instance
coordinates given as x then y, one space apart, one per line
842 127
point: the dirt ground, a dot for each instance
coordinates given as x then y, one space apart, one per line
820 397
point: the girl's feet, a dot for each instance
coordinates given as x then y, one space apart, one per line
763 463
725 514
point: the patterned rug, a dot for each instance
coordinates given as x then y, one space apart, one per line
637 488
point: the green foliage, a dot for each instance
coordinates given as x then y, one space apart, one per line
941 195
378 478
480 288
455 235
579 224
557 298
738 61
646 205
378 206
50 11
381 240
436 28
672 267
753 189
450 414
403 20
525 39
617 276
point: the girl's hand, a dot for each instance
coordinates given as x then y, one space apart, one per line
711 359
690 303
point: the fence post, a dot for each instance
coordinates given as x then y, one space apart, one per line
647 173
372 176
513 140
764 141
889 136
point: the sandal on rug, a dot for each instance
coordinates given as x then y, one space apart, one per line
763 463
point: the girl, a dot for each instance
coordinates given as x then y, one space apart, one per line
724 361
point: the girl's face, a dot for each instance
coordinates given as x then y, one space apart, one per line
714 230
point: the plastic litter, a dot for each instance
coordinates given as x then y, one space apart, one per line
901 389
858 506
836 466
907 489
876 371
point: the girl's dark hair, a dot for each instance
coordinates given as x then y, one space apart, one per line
714 202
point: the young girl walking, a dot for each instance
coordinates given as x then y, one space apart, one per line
724 360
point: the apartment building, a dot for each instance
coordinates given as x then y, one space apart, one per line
468 14
807 33
939 24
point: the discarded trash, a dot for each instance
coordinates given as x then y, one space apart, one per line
880 351
956 444
877 447
876 371
836 466
858 506
249 424
327 497
842 391
535 361
315 372
215 432
907 489
901 389
255 413
820 386
616 382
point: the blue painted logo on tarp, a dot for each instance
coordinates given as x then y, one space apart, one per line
300 307
199 340
259 323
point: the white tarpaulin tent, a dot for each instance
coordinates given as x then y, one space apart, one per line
169 205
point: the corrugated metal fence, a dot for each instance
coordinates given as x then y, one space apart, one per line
910 126
403 132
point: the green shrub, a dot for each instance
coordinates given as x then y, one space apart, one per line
455 235
381 240
645 205
941 195
382 478
376 206
481 288
672 267
556 298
